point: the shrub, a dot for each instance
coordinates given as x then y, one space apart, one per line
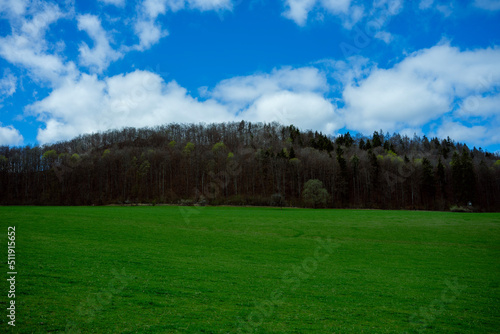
202 201
314 194
457 208
186 202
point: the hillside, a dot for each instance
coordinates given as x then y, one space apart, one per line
245 164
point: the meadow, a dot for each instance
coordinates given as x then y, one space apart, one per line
168 269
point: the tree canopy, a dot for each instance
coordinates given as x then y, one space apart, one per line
245 164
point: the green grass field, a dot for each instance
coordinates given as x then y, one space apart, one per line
263 270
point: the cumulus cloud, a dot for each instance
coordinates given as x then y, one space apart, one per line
42 66
10 136
285 95
27 47
149 33
298 10
304 109
102 54
479 106
146 28
241 91
477 135
423 87
136 99
142 98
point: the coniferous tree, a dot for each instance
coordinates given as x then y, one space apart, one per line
376 140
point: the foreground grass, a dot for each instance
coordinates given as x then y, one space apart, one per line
218 269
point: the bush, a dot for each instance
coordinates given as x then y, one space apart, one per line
457 208
314 194
202 201
186 202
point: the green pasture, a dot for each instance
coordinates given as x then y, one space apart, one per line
169 269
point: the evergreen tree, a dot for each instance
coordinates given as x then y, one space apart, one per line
376 140
362 144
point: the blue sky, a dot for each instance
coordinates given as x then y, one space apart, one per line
426 67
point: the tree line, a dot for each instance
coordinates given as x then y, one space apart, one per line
245 163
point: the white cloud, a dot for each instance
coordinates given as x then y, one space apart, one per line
480 106
136 99
298 10
376 13
142 98
27 47
117 3
380 14
304 109
175 5
150 31
384 36
8 85
356 14
421 88
20 50
241 91
336 6
492 5
10 136
286 95
43 17
153 8
102 54
13 7
477 135
146 28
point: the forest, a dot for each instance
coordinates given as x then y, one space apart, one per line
245 163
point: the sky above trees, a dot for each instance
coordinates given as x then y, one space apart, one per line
425 67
